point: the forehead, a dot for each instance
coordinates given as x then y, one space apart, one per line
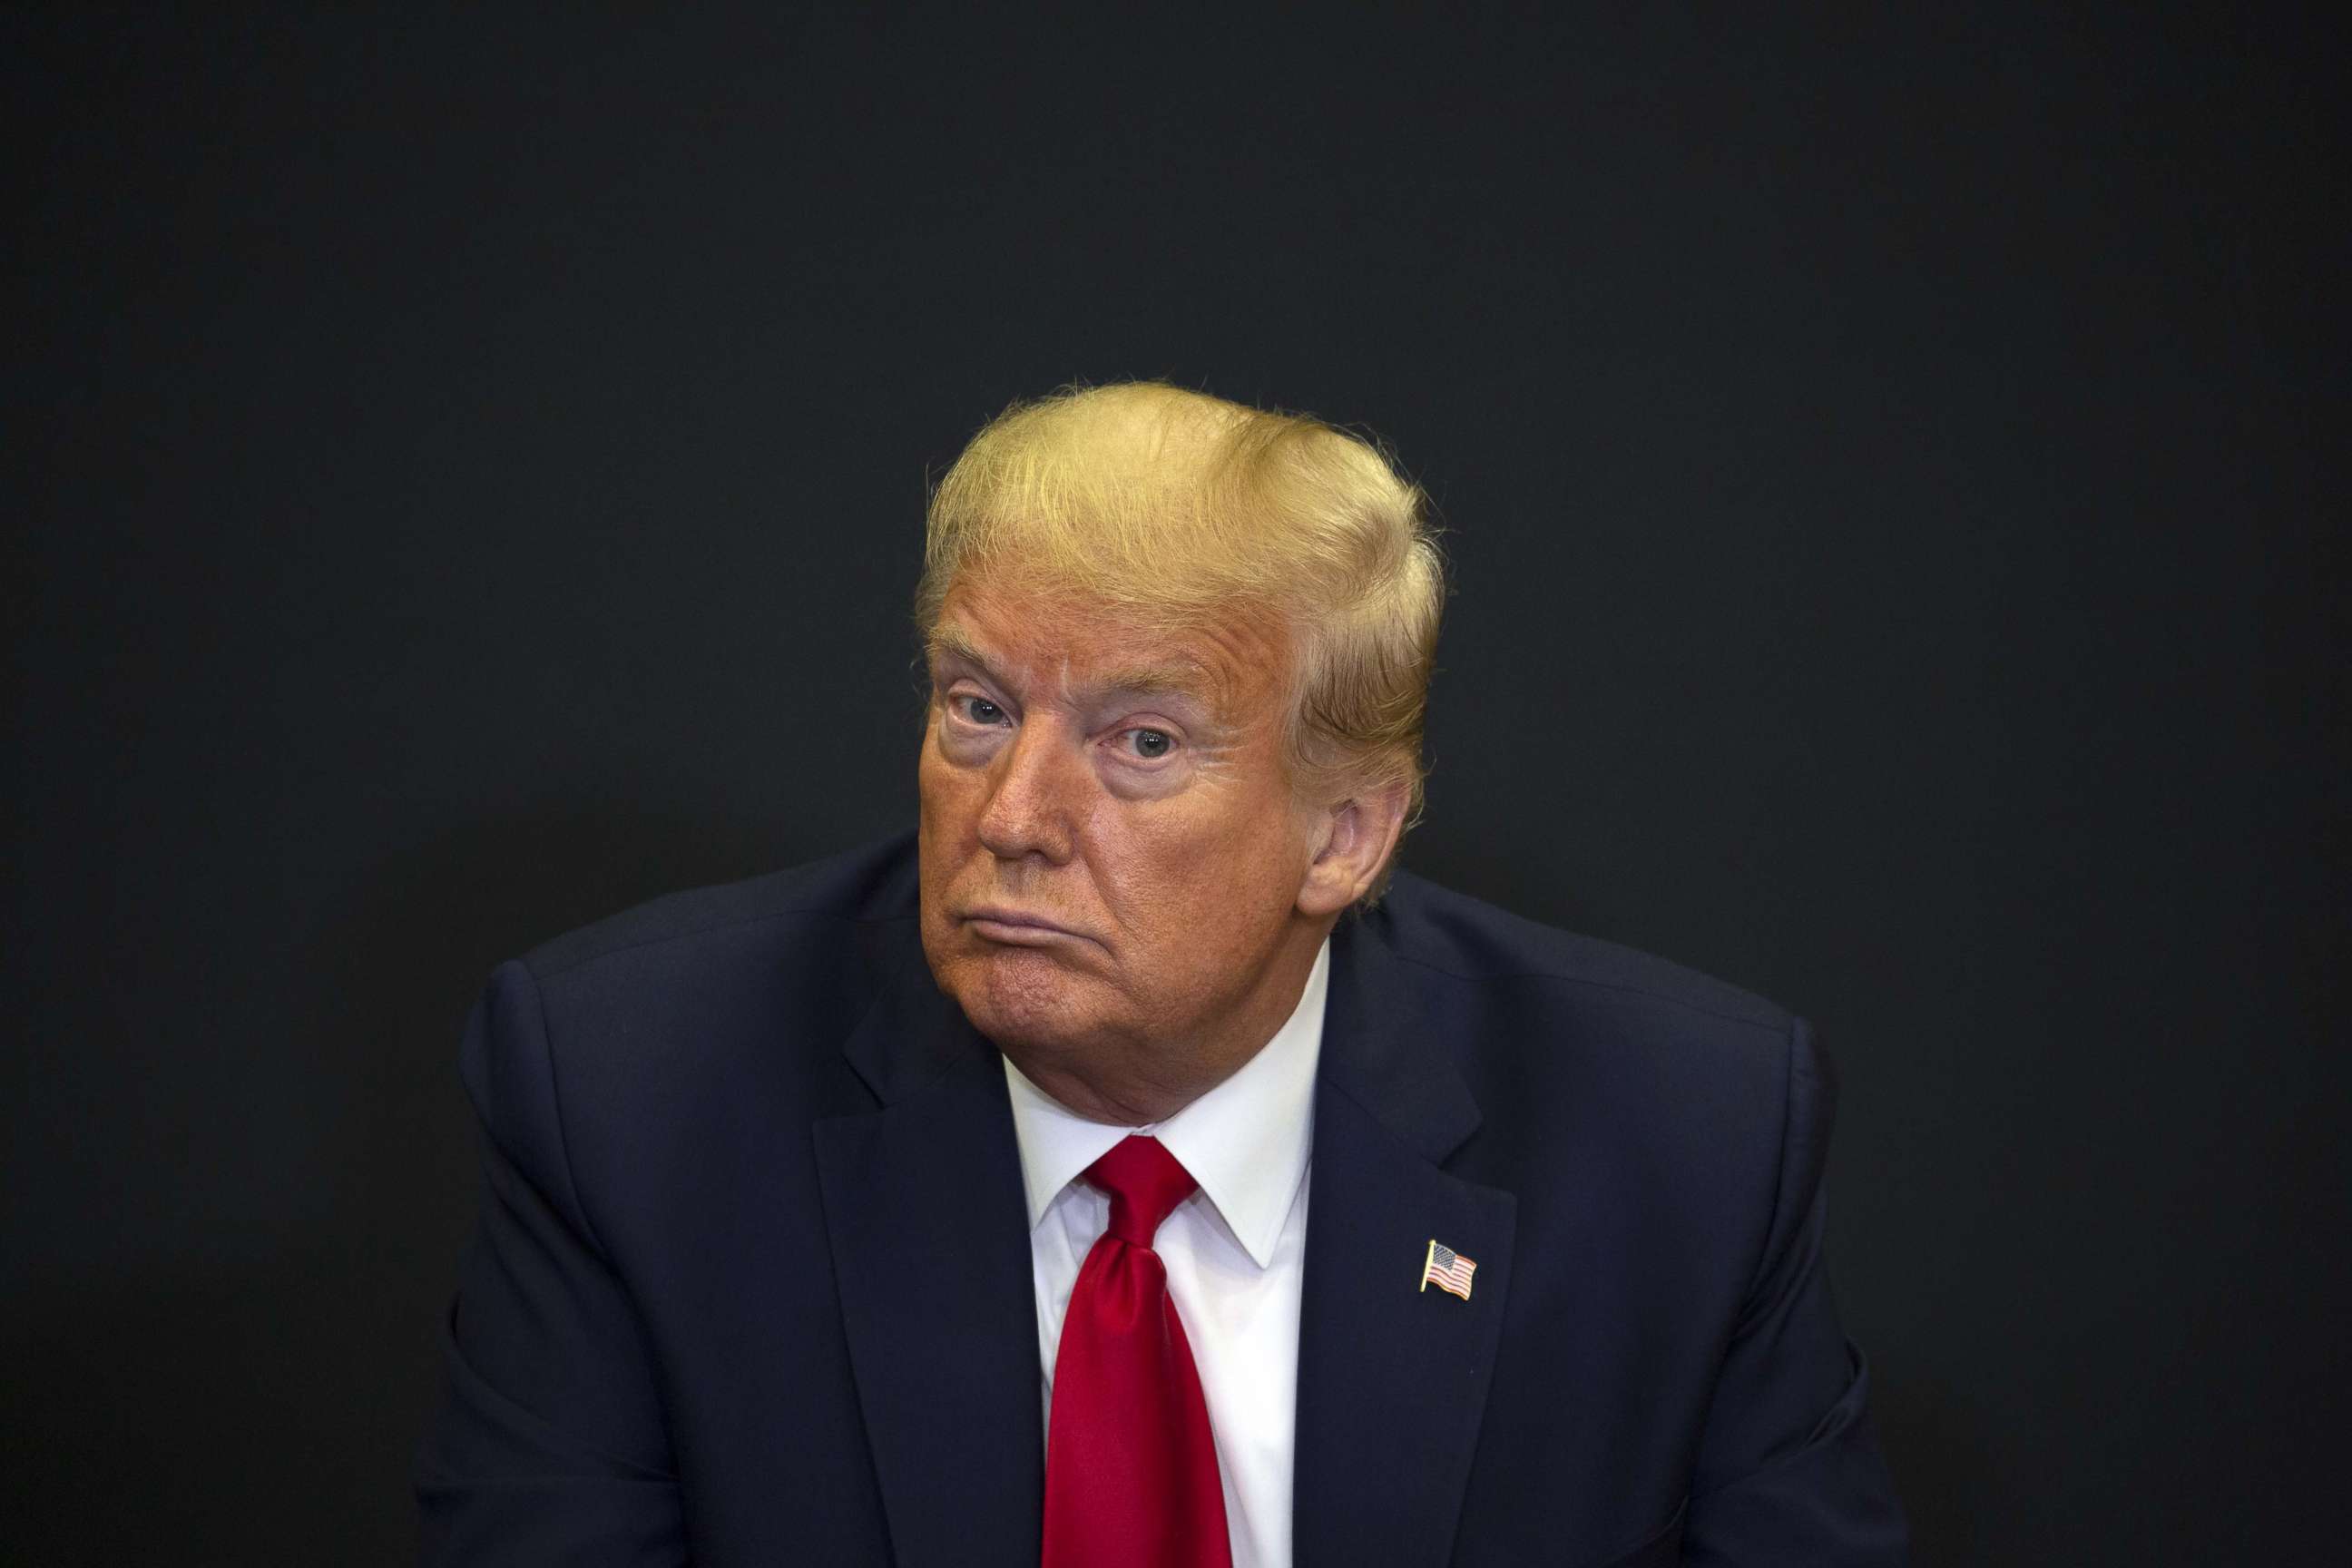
1234 663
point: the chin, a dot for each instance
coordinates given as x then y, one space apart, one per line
1022 999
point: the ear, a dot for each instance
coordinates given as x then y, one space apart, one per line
1357 835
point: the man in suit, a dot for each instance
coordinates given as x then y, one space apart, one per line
1125 1167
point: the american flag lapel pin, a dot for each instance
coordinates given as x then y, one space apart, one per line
1447 1270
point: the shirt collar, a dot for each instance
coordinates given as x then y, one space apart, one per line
1245 1141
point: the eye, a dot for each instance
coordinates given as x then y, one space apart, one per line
978 710
1150 745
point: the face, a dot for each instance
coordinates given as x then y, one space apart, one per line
1118 882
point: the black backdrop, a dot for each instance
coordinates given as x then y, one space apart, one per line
464 477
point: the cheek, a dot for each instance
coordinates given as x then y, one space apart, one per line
1203 886
945 794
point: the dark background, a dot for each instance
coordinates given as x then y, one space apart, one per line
464 477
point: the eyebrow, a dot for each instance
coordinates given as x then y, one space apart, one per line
1183 677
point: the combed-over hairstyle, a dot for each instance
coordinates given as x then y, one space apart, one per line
1172 509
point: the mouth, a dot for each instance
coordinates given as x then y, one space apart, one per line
1016 928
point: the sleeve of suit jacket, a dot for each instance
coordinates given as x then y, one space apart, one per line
550 1444
1789 1472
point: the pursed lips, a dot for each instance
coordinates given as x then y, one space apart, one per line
1017 927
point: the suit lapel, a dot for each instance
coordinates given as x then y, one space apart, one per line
1391 1378
923 1203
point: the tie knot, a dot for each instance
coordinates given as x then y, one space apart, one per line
1145 1183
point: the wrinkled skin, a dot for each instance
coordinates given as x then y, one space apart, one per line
1119 885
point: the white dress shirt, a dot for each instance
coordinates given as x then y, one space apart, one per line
1235 1251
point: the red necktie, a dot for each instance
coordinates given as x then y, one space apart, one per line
1130 1466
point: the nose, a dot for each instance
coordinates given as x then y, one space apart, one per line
1033 794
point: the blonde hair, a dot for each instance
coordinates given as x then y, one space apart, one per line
1172 508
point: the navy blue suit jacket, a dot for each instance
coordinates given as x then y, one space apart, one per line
751 1284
